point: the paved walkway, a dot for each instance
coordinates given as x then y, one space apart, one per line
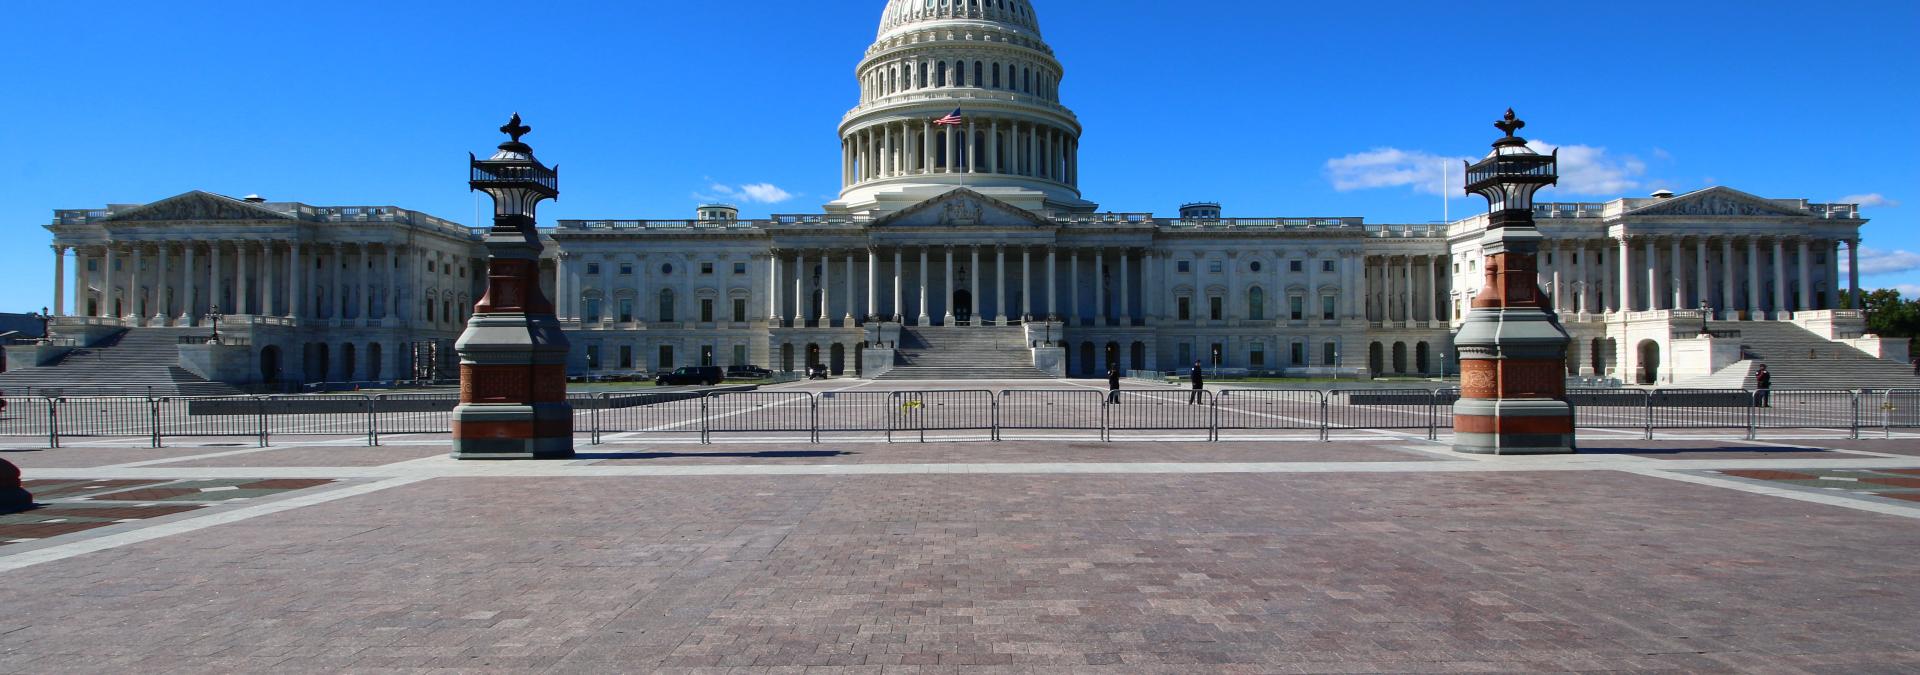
1378 553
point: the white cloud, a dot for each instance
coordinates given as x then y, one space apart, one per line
1875 261
1870 200
760 193
1393 167
1584 170
1907 291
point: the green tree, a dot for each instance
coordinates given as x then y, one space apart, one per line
1889 315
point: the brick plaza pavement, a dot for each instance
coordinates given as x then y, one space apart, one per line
1373 553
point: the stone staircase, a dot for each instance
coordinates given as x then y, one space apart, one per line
139 361
1800 359
964 353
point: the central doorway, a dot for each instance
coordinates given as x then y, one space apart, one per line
963 307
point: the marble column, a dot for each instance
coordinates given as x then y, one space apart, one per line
774 318
59 281
1676 267
1754 311
873 284
1126 289
1410 293
1651 265
159 311
391 317
1728 308
925 252
1584 284
1626 275
826 287
134 296
1779 278
1073 287
851 317
189 275
1000 283
899 285
948 289
1100 287
1026 284
976 315
1853 274
217 282
1702 283
800 274
243 284
1806 276
1433 288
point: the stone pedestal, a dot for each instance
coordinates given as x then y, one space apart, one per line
13 498
1513 355
513 360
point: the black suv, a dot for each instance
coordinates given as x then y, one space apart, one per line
748 373
707 375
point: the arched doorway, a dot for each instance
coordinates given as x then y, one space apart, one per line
1377 359
786 358
813 354
963 306
1649 362
1602 349
346 362
1400 358
322 370
1086 359
270 364
1113 357
838 359
1139 356
373 362
1422 359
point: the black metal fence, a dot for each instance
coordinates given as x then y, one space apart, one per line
952 415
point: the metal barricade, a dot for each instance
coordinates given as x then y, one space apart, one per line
922 411
843 413
1052 410
1899 409
1272 410
760 412
1699 409
414 413
1443 401
657 413
1808 409
106 417
1168 410
330 415
30 417
586 414
1610 409
212 417
1352 409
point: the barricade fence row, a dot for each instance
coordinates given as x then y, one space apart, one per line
950 414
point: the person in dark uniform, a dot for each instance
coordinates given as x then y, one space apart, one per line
1764 397
1113 385
1199 377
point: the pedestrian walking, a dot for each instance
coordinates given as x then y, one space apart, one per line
1113 385
1199 377
1764 397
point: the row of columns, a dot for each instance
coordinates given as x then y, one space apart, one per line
1403 288
188 281
1578 274
976 146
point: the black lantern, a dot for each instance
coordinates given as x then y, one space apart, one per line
213 313
1511 174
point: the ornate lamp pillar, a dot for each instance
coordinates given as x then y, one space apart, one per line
513 385
1513 350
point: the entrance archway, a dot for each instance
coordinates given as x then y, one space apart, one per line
1139 356
1376 359
1422 359
1113 356
963 307
1400 358
1649 362
270 365
786 358
837 359
1086 359
373 362
813 354
346 361
1602 350
322 365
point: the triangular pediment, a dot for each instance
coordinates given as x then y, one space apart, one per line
961 207
196 205
1717 201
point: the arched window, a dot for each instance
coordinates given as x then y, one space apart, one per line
909 74
1257 304
996 76
959 73
1026 76
940 75
666 305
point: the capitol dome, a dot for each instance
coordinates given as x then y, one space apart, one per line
985 60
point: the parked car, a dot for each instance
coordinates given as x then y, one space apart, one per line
817 372
707 375
748 373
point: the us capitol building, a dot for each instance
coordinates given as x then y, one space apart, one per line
970 238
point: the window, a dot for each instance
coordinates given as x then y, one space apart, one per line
1215 266
1298 355
666 270
1257 304
1257 355
1219 310
1185 266
593 269
1328 307
626 310
706 310
1326 266
626 357
739 268
739 355
1186 309
1296 308
93 265
592 315
739 310
1329 354
666 357
593 357
706 268
1296 265
626 269
1255 266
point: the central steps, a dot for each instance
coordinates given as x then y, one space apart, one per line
964 353
1801 359
138 361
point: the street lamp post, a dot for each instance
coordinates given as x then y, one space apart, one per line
46 334
1513 350
513 355
213 313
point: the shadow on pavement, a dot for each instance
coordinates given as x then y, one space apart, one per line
1737 449
771 454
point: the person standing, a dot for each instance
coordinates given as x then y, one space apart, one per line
1113 384
1199 377
1764 396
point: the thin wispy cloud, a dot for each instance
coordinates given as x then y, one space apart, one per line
1870 201
1875 261
754 193
1584 170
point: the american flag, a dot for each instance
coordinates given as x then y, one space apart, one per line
952 119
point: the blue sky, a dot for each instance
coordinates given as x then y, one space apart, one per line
1275 109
